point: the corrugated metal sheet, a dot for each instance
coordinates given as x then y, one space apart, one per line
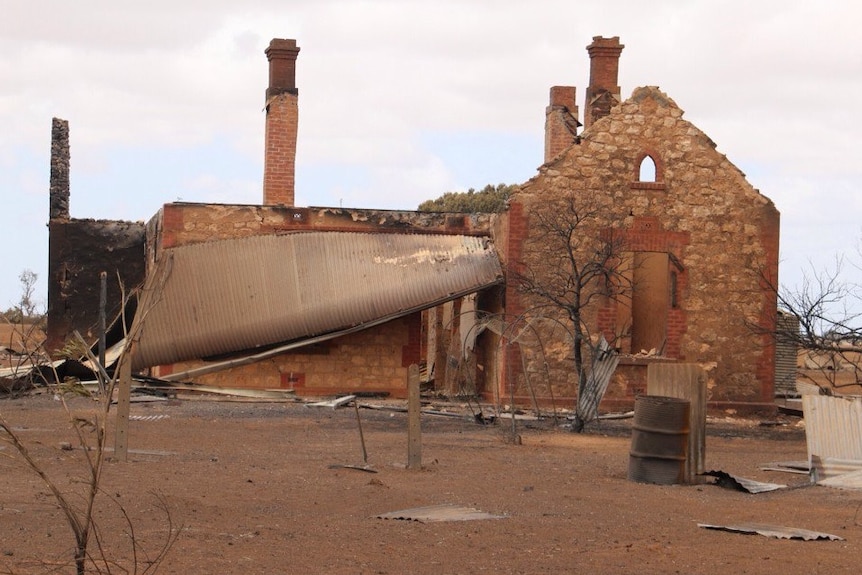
232 295
603 366
435 513
852 480
777 531
728 481
833 426
827 468
785 356
685 381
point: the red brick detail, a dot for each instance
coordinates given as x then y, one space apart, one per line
604 72
655 186
765 370
647 235
292 380
658 184
561 121
517 233
281 54
279 167
412 352
172 225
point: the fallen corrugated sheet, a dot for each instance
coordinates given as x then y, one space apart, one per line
798 467
334 403
603 367
434 513
774 531
828 468
24 370
833 426
203 390
851 480
728 481
245 294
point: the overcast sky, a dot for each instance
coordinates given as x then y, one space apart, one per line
403 100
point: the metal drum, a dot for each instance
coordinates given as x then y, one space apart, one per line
659 440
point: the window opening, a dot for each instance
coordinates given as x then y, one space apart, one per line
646 173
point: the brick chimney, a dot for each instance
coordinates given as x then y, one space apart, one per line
282 117
603 92
561 121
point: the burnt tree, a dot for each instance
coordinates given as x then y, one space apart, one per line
573 261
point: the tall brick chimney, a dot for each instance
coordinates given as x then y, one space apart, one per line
282 117
561 121
603 92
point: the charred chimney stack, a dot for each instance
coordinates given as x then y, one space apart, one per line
59 182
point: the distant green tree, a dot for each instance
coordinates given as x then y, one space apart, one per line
489 199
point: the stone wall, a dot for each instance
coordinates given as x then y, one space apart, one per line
372 361
182 224
720 234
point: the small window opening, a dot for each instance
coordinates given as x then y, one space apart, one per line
647 170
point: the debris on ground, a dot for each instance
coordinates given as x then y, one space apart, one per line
728 481
435 513
776 531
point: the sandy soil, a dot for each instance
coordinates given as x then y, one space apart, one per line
252 486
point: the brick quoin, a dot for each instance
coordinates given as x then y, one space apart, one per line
517 233
765 370
172 225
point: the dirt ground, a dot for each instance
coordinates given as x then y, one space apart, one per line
253 488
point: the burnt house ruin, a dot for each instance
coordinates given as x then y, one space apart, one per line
327 300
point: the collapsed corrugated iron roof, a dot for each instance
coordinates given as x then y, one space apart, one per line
243 294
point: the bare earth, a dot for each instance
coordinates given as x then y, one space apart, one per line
252 487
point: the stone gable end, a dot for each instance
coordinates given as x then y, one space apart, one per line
719 236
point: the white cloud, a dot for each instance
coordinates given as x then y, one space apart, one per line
773 83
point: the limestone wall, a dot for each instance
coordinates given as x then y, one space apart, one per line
720 233
374 360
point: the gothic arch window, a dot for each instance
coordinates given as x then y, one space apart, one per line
646 172
649 172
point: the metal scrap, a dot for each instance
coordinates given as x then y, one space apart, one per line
435 513
333 403
851 480
833 432
776 531
728 481
830 470
365 280
797 467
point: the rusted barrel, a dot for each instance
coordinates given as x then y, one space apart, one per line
659 440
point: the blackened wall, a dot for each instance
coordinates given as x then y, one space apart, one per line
78 251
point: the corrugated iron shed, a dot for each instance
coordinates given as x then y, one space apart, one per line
244 294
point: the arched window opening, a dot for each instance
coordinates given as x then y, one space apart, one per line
646 172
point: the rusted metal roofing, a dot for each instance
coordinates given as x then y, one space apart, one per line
244 294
